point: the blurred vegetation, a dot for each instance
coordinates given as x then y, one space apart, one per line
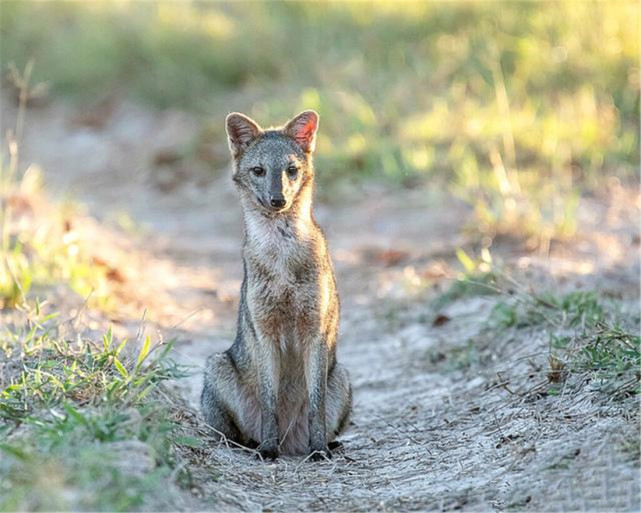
39 248
516 107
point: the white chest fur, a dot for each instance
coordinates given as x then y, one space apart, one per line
279 243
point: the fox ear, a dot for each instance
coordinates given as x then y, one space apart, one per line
302 129
241 131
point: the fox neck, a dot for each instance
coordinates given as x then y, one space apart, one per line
294 224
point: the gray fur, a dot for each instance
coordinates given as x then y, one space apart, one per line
279 384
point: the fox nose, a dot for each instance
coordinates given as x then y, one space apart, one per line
277 201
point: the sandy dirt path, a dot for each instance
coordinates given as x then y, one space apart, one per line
424 434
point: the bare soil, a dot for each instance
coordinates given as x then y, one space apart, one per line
439 423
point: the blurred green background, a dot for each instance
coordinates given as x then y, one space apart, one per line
517 108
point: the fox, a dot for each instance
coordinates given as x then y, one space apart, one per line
279 388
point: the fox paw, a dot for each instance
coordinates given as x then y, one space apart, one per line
252 444
267 454
335 445
321 455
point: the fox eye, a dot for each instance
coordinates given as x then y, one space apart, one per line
258 171
292 171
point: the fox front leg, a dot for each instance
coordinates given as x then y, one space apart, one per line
268 376
316 373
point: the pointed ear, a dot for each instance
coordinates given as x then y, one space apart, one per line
302 129
241 131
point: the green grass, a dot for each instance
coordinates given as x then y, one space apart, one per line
612 355
591 339
588 337
85 424
55 369
575 309
515 107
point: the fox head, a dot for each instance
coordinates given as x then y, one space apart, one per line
272 167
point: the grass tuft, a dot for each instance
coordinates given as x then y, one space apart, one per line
588 339
85 423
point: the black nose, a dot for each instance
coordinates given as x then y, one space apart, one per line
277 201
